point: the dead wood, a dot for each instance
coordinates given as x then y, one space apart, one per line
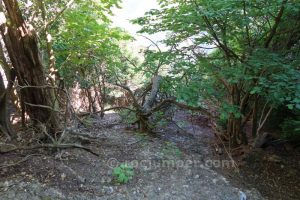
12 148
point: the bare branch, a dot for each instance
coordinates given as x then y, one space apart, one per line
262 122
49 23
275 26
180 105
135 102
105 110
160 61
152 43
45 146
43 106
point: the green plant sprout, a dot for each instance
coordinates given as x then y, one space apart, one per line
123 173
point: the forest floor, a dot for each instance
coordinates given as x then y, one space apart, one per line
179 163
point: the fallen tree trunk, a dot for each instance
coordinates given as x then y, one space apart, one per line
145 106
145 109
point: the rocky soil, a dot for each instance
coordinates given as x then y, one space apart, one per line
176 164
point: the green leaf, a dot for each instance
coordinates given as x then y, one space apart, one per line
290 106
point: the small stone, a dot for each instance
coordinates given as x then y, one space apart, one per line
108 190
214 181
109 179
102 180
11 195
63 176
197 176
274 158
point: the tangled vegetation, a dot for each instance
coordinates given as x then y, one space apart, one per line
237 63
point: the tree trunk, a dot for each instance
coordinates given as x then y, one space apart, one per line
4 117
234 128
255 117
7 70
154 90
21 43
91 100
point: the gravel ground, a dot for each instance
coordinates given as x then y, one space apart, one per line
175 165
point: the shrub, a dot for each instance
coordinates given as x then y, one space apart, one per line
123 173
291 130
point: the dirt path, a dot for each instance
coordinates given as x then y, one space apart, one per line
176 165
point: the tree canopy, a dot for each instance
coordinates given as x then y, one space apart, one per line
232 54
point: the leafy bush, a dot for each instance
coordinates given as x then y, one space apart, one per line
222 123
123 173
235 70
291 130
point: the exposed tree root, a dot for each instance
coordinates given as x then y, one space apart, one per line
18 162
105 110
12 148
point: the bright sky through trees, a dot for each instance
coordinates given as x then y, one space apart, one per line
132 9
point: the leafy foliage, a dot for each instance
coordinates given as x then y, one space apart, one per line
226 55
291 130
123 173
86 42
238 59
